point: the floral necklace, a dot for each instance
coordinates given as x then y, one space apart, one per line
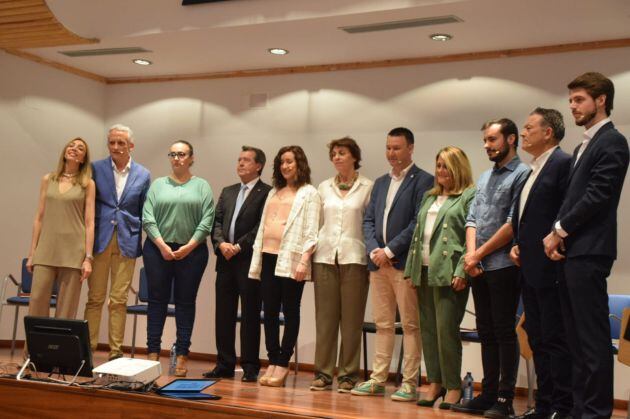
346 186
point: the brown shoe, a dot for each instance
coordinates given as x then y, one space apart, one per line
180 367
153 356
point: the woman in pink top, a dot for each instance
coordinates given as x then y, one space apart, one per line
281 258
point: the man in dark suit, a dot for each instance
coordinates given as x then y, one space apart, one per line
585 236
121 188
236 222
388 225
534 212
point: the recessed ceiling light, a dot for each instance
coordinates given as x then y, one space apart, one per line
278 51
142 61
442 37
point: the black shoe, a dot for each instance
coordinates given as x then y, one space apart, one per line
249 377
431 402
218 373
501 409
533 414
558 415
476 406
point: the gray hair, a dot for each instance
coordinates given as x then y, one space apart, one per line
121 127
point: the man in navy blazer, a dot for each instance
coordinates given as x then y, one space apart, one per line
236 222
534 212
121 188
585 236
388 226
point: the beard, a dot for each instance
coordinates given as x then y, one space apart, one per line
498 157
586 118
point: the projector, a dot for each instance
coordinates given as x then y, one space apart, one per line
130 370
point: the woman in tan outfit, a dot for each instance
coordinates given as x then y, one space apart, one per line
63 233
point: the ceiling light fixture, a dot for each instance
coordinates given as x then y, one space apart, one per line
142 61
442 37
278 51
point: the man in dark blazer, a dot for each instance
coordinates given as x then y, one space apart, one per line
121 188
534 212
585 236
236 222
388 226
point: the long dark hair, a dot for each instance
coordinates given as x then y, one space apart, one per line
303 170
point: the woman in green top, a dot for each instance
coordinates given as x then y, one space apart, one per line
63 233
435 265
177 217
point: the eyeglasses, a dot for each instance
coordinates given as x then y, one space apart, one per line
179 154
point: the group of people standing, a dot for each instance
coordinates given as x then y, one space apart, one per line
545 231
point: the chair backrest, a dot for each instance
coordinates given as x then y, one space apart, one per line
27 280
143 291
616 304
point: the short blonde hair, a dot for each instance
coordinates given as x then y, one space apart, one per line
458 166
85 170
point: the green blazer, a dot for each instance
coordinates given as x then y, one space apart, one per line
448 241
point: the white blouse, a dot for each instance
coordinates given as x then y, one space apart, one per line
429 223
341 224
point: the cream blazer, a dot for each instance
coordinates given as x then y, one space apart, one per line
299 235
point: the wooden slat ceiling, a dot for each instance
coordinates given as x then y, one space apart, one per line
31 24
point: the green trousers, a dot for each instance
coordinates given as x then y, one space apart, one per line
441 313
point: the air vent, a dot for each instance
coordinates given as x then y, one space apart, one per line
191 2
402 24
103 51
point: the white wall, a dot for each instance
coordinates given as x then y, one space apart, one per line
40 111
442 103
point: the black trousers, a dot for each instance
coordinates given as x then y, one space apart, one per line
232 283
496 295
547 338
584 297
280 294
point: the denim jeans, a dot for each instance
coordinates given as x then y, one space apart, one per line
184 277
280 293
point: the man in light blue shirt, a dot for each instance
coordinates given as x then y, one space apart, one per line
494 275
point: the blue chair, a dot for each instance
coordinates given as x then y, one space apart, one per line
22 298
142 296
616 304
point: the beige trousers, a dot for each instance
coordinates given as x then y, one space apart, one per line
109 265
389 289
68 292
340 297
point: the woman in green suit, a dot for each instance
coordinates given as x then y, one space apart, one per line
436 267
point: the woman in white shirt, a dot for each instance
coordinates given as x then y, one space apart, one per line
340 269
281 257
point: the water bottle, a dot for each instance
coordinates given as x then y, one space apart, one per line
467 388
172 361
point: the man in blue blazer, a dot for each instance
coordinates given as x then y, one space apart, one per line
388 226
121 187
585 236
534 212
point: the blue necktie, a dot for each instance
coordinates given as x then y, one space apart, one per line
239 203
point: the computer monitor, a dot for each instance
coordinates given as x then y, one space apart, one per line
59 345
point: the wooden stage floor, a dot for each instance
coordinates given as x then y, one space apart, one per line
29 399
